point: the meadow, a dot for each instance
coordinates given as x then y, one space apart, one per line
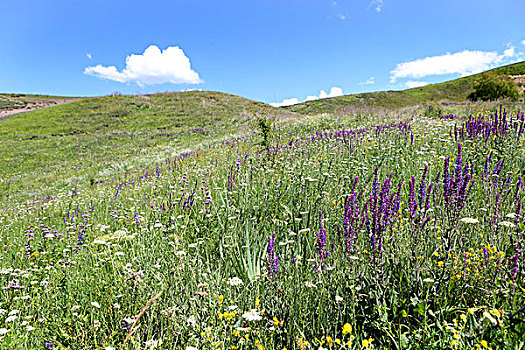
368 229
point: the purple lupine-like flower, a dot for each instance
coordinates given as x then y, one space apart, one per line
422 186
456 187
117 192
273 258
379 212
514 262
493 128
137 218
352 222
27 249
459 162
486 257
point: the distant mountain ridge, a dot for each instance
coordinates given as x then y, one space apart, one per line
452 91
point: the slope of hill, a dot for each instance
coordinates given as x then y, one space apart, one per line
94 137
135 113
450 91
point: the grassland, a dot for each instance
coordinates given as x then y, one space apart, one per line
168 222
89 140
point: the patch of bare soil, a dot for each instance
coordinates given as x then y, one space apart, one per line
33 106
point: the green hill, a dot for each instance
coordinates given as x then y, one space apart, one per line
450 91
93 138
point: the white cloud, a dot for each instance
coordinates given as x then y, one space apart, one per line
509 52
152 67
286 102
88 55
378 5
341 16
188 90
414 84
465 63
523 42
334 92
369 81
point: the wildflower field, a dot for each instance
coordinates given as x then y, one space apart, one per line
369 230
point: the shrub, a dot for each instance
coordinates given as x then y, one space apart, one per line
491 86
264 126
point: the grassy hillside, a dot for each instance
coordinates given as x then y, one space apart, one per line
87 140
383 233
451 91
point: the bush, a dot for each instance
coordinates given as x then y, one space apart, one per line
491 86
265 126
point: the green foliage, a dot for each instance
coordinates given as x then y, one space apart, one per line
264 126
491 86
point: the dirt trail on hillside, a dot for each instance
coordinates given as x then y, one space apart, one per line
34 106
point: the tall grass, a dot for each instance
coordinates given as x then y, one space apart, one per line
348 232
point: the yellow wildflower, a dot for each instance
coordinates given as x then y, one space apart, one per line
496 312
366 342
329 341
347 328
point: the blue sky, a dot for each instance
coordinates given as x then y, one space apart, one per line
264 50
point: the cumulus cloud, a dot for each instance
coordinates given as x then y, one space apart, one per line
88 55
523 42
369 81
286 102
334 92
189 90
465 63
150 68
414 84
341 16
